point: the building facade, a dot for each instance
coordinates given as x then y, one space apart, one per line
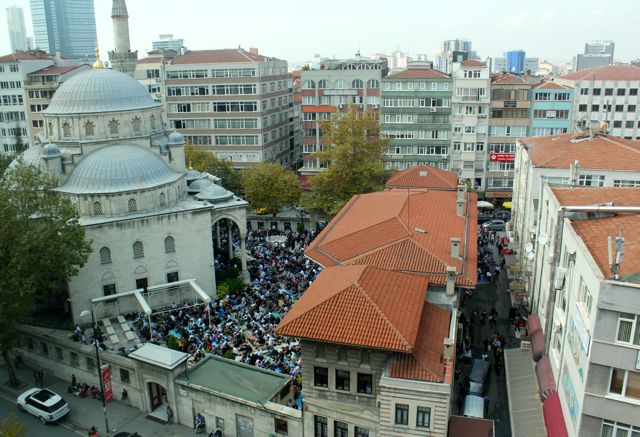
453 50
65 26
515 61
416 116
596 54
166 41
470 120
606 95
17 31
551 109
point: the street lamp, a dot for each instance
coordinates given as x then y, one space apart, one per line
96 330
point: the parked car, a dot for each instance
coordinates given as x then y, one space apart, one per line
484 217
44 404
477 378
473 406
494 225
502 215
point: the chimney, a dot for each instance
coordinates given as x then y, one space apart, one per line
460 189
253 51
460 208
455 247
451 280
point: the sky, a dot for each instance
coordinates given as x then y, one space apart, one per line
296 30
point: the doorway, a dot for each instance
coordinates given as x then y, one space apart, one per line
157 395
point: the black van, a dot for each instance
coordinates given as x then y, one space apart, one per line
478 377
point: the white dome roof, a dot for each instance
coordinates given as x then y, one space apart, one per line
99 90
119 168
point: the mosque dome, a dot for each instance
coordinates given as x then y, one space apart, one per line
214 194
175 139
199 185
31 156
119 168
99 90
51 150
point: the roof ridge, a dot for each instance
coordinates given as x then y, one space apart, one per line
244 53
626 146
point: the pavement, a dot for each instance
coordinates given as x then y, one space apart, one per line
87 412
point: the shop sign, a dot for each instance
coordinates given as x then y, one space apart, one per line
501 157
105 372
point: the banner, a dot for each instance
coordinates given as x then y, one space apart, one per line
501 157
105 372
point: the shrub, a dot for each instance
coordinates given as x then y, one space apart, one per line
172 343
229 354
230 286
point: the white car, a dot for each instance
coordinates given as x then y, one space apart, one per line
43 403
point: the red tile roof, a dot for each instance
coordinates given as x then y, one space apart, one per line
584 196
152 60
551 86
418 73
359 306
54 70
507 79
218 57
404 230
472 63
425 362
601 152
594 233
24 56
423 176
606 72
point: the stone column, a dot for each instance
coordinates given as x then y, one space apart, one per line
230 236
218 246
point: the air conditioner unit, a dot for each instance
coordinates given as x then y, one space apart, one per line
158 80
558 281
433 109
360 106
340 106
444 156
375 106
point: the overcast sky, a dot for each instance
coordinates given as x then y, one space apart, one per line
296 30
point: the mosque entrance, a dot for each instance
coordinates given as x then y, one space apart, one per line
157 395
229 249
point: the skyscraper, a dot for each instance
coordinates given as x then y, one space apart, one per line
453 50
515 61
596 53
17 31
122 58
65 26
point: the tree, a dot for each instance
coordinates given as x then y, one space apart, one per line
19 145
41 245
202 160
5 160
270 186
11 426
354 151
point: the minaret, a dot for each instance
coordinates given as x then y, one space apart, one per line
122 58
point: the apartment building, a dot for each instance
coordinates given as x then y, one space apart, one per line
607 94
150 72
470 120
551 109
596 53
416 116
334 86
234 103
509 120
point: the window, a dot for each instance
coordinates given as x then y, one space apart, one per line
320 377
340 84
591 180
595 108
113 127
281 426
357 83
423 417
142 283
596 91
402 414
582 108
373 83
342 354
75 362
365 355
169 244
361 432
633 92
124 376
105 255
628 329
163 199
173 277
319 426
138 249
619 108
91 365
343 380
628 124
97 208
136 123
615 429
617 123
59 354
152 122
625 383
365 383
320 351
340 429
66 129
584 297
323 84
132 204
626 183
219 422
89 129
108 290
631 108
608 91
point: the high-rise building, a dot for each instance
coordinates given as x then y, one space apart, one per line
17 31
65 26
596 53
168 42
122 58
453 50
515 61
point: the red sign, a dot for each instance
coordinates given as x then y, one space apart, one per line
105 372
502 157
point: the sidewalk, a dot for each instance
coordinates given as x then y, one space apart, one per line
87 412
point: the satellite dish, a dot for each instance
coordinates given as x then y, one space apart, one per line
530 256
543 239
528 247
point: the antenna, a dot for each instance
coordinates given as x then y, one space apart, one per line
614 264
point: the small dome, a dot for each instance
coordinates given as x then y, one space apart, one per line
199 185
192 175
99 90
214 194
51 150
119 168
176 139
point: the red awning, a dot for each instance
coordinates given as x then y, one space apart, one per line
533 324
553 417
320 108
546 381
537 346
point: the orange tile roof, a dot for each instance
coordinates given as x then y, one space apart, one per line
379 229
599 153
584 196
24 56
218 56
423 176
152 60
359 306
594 233
605 72
472 63
425 362
54 70
419 73
507 79
551 86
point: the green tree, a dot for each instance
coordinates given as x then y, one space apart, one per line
41 245
19 144
5 160
354 151
11 426
270 186
202 160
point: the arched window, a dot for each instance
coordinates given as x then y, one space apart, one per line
105 255
308 85
114 126
138 249
137 125
97 208
89 129
66 129
152 122
340 84
357 83
169 244
163 199
323 84
50 129
373 83
132 205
